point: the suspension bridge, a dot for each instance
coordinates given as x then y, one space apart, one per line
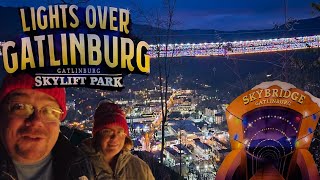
230 48
233 47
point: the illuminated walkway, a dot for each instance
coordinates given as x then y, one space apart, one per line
231 48
235 47
269 172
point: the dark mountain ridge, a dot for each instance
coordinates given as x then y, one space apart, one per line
303 27
11 28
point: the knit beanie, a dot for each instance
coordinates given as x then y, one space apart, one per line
108 115
26 81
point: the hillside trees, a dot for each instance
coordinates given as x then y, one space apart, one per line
161 22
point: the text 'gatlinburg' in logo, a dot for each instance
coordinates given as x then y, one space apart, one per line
67 45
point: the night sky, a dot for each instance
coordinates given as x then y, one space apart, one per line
206 14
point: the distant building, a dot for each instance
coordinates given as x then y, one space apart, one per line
171 140
210 112
183 149
219 118
137 146
187 126
202 147
172 155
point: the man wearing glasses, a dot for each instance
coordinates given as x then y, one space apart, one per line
31 146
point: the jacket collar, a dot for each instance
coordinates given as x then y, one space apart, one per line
6 165
63 154
97 158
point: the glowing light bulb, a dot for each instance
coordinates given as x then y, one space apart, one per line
235 137
314 116
246 142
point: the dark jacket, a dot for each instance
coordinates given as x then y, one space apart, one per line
68 162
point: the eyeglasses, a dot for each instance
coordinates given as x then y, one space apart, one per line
24 110
109 133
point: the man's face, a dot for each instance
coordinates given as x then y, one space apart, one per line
29 139
112 140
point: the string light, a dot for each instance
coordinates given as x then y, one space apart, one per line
239 145
274 129
245 122
247 125
235 137
277 117
238 121
314 116
268 147
297 118
235 47
245 142
264 154
305 137
284 151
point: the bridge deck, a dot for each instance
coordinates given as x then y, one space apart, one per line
269 172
